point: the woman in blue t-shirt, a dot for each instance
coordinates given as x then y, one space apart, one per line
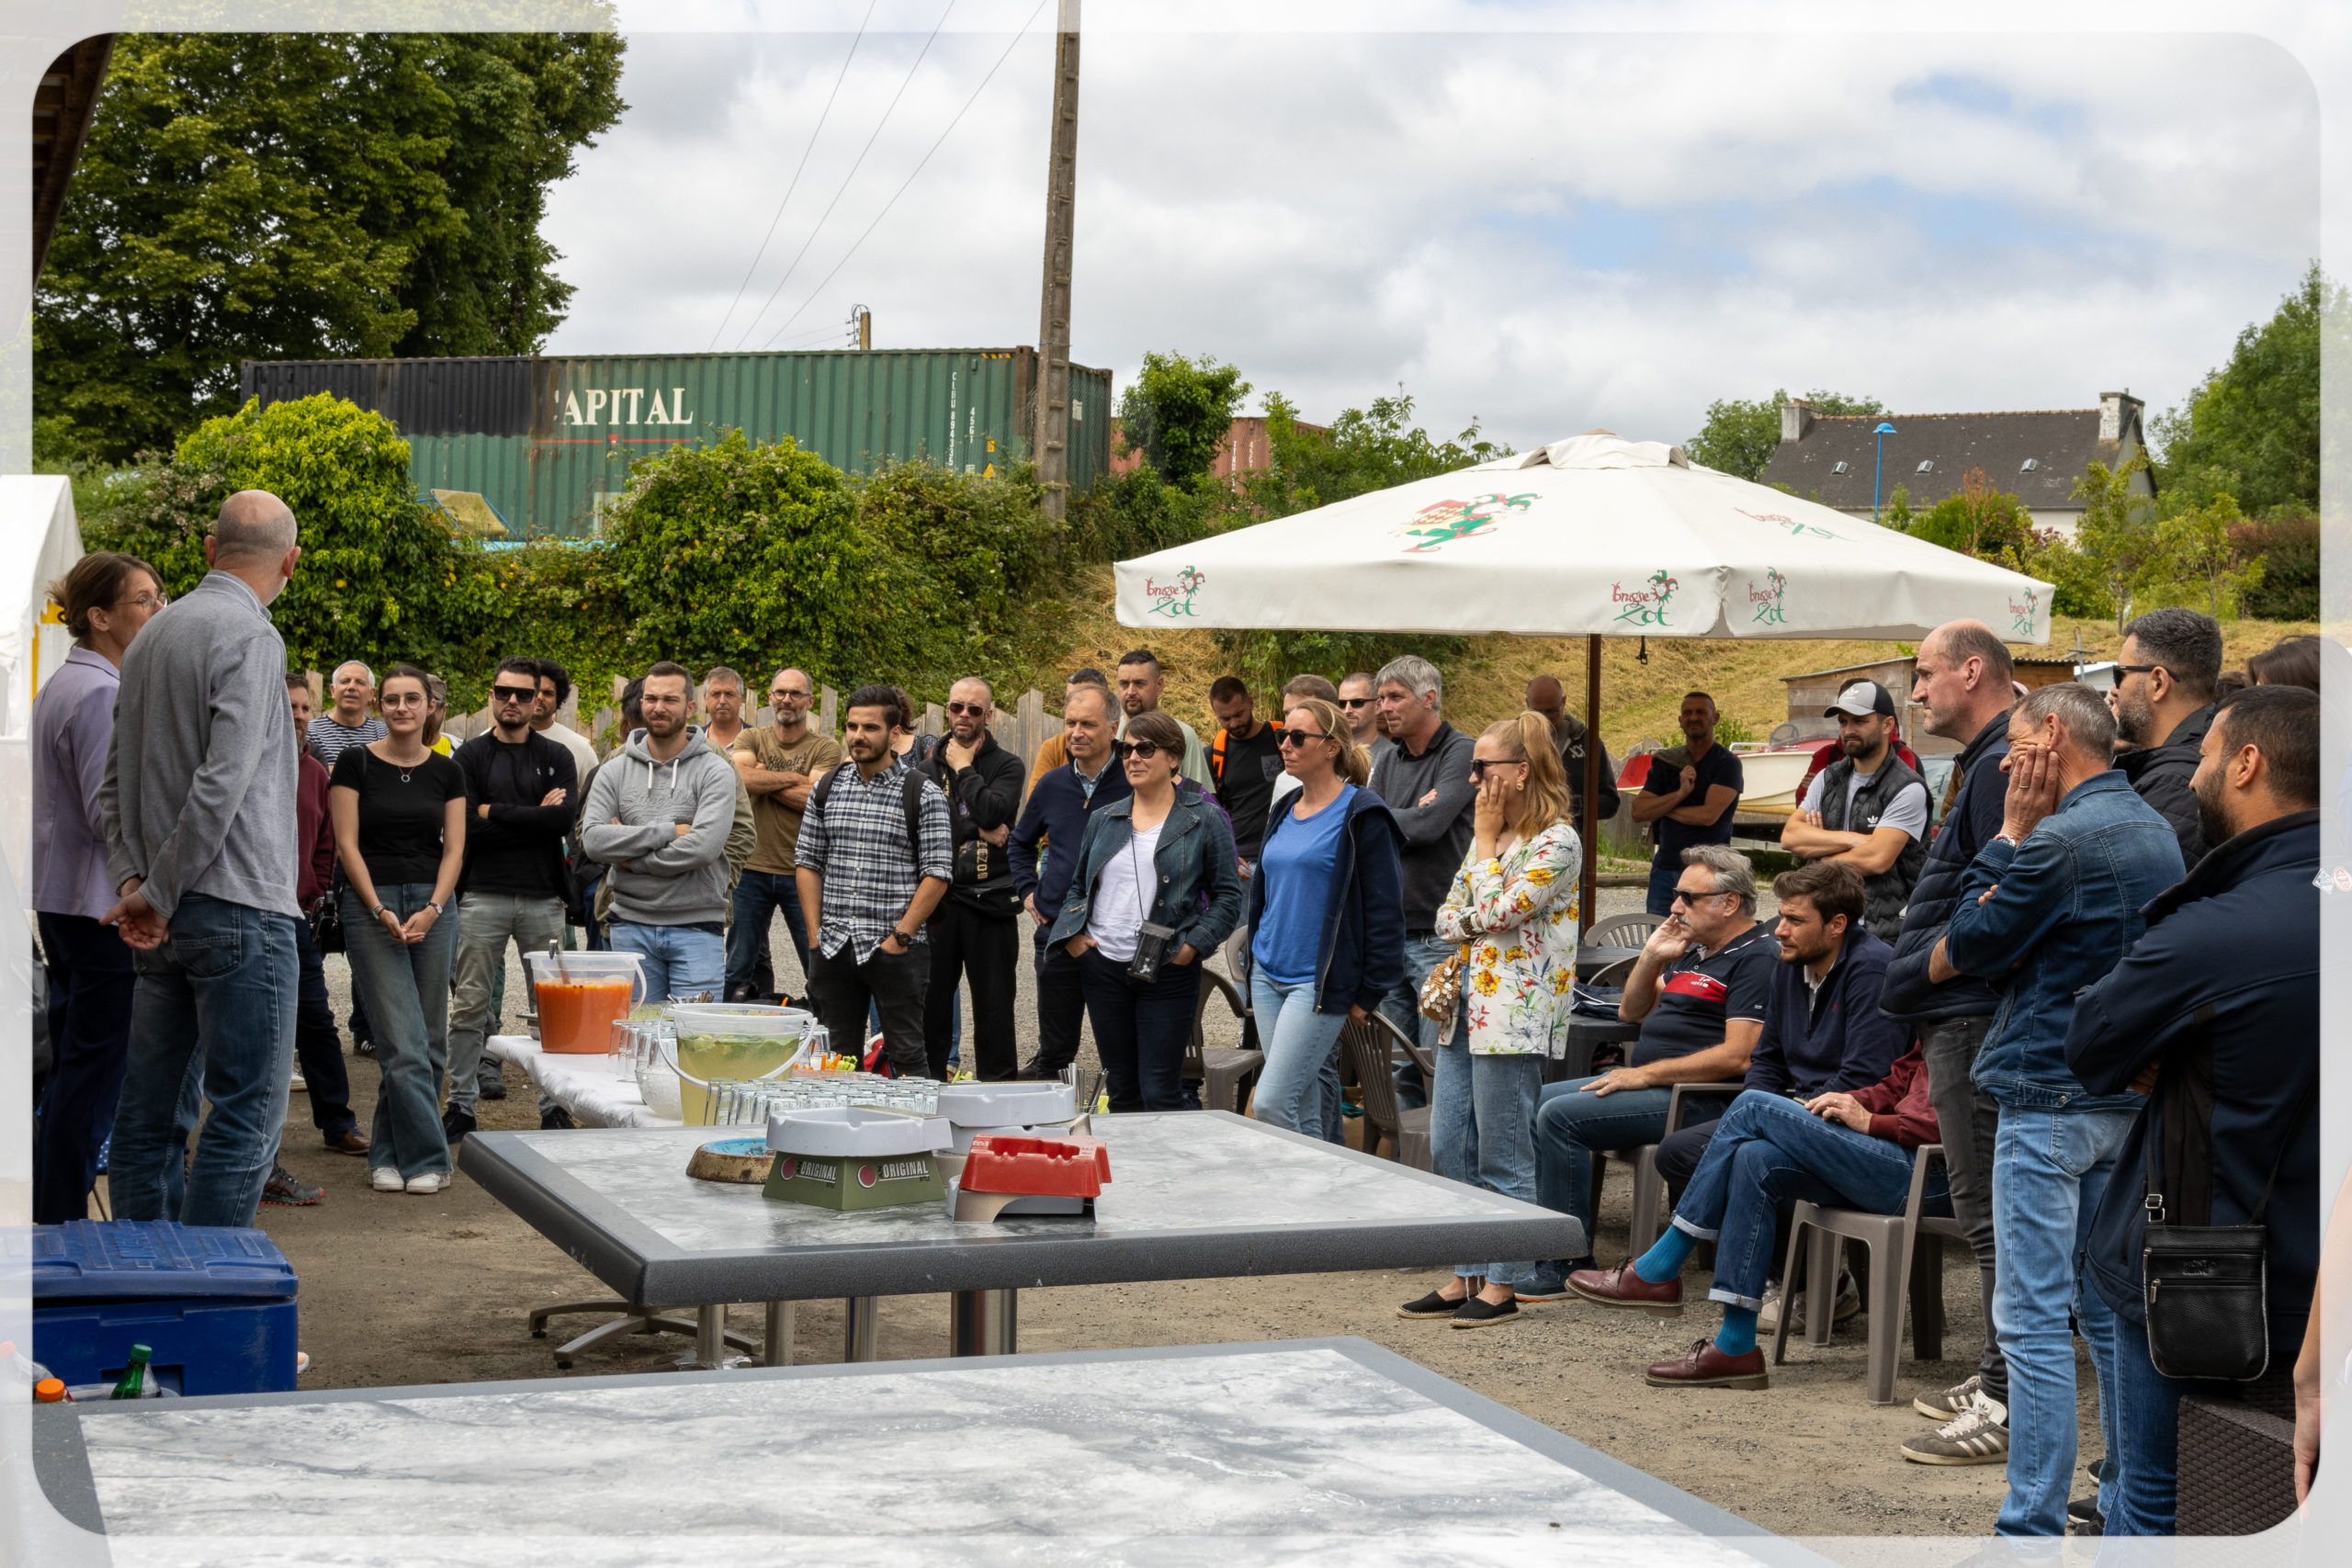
1326 922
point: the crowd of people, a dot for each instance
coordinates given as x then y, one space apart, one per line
2088 973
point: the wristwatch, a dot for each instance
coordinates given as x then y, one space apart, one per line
905 939
2005 838
438 910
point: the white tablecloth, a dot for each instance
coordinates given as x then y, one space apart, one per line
596 1089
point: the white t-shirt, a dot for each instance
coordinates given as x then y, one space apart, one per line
1907 810
1123 896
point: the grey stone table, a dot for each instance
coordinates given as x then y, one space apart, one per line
1304 1451
1192 1195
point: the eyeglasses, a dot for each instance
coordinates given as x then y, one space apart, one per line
514 694
1146 749
1478 765
150 602
961 709
401 700
1355 702
1297 737
784 694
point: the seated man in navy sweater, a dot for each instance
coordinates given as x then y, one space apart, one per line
1060 801
1823 1031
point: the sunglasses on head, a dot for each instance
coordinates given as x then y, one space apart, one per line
1297 737
1146 749
514 694
961 709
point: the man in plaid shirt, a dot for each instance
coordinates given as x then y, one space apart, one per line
867 889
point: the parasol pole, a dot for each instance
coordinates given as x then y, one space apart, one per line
1589 875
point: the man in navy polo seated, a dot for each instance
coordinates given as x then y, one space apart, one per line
1060 801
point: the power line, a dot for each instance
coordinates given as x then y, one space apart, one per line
917 170
850 176
795 184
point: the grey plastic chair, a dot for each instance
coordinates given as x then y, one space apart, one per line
1648 1221
1896 1275
1366 1047
1227 1075
1623 930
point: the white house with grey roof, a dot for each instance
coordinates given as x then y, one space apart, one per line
2035 455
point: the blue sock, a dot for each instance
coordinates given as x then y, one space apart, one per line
1737 1335
1665 1260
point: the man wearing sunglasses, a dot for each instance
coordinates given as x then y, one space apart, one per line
975 933
2163 704
522 793
1359 700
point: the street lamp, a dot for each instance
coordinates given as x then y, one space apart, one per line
1878 468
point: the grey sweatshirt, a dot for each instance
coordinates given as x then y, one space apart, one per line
658 877
201 773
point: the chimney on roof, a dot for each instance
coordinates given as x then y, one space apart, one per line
1796 415
2114 408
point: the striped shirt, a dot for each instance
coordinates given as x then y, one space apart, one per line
858 845
329 737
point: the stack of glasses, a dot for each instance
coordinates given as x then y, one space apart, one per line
739 1103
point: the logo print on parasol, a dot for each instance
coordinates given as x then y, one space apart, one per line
2021 616
1441 523
1645 605
1173 599
1797 530
1766 599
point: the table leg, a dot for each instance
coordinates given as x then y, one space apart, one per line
857 1328
986 1323
710 1335
779 1334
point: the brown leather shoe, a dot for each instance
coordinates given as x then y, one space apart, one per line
353 1141
1621 1287
1706 1367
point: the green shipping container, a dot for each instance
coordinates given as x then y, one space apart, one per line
549 440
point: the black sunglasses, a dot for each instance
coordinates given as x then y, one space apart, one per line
514 694
961 709
1355 702
1297 737
1478 765
1146 749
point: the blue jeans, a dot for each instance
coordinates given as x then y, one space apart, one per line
1666 870
1768 1150
407 988
1482 1134
223 984
1302 1050
1402 1007
2048 1168
1572 1125
2139 1411
677 960
757 895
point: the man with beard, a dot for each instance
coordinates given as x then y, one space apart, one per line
973 933
1866 810
1690 793
2164 703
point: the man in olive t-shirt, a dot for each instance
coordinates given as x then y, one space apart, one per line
779 763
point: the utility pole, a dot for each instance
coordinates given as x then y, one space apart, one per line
1050 445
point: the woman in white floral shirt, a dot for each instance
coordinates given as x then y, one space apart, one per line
1514 904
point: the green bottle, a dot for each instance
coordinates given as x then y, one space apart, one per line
134 1376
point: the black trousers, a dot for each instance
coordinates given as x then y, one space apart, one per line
1061 1008
983 948
1142 1032
317 1047
90 983
891 983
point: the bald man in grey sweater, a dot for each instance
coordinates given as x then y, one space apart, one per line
199 807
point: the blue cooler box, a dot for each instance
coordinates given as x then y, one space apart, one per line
214 1305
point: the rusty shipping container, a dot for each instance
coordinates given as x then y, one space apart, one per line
547 441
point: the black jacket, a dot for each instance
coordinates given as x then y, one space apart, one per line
519 848
2160 777
2224 986
986 795
1974 816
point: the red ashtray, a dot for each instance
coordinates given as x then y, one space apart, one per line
1037 1168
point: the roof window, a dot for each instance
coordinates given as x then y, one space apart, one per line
1840 467
1927 465
2029 465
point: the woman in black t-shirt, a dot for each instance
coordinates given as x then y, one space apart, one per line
399 826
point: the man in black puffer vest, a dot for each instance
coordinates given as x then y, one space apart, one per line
1867 809
1961 676
2163 704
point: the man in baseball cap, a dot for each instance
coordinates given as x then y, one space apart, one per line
1868 809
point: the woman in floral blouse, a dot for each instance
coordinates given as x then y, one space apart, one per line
1514 905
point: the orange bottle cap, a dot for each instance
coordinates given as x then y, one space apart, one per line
50 1390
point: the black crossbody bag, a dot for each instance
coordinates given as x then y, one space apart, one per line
2205 1288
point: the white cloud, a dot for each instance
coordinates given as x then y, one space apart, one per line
1547 231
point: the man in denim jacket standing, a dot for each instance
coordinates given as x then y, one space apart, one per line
2046 908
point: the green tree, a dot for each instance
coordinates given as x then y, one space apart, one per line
1177 411
1738 438
1364 450
304 196
1978 521
2118 531
2258 416
2200 565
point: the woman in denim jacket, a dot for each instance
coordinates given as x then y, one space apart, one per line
1163 857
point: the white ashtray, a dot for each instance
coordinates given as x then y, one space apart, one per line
964 1135
1007 1104
852 1132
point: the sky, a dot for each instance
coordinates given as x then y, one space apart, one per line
1540 231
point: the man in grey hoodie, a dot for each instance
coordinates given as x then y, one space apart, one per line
659 815
198 807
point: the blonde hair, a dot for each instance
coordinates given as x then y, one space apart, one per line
1545 799
1354 762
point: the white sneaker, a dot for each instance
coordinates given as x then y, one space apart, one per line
436 1182
384 1178
1849 1302
301 1085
